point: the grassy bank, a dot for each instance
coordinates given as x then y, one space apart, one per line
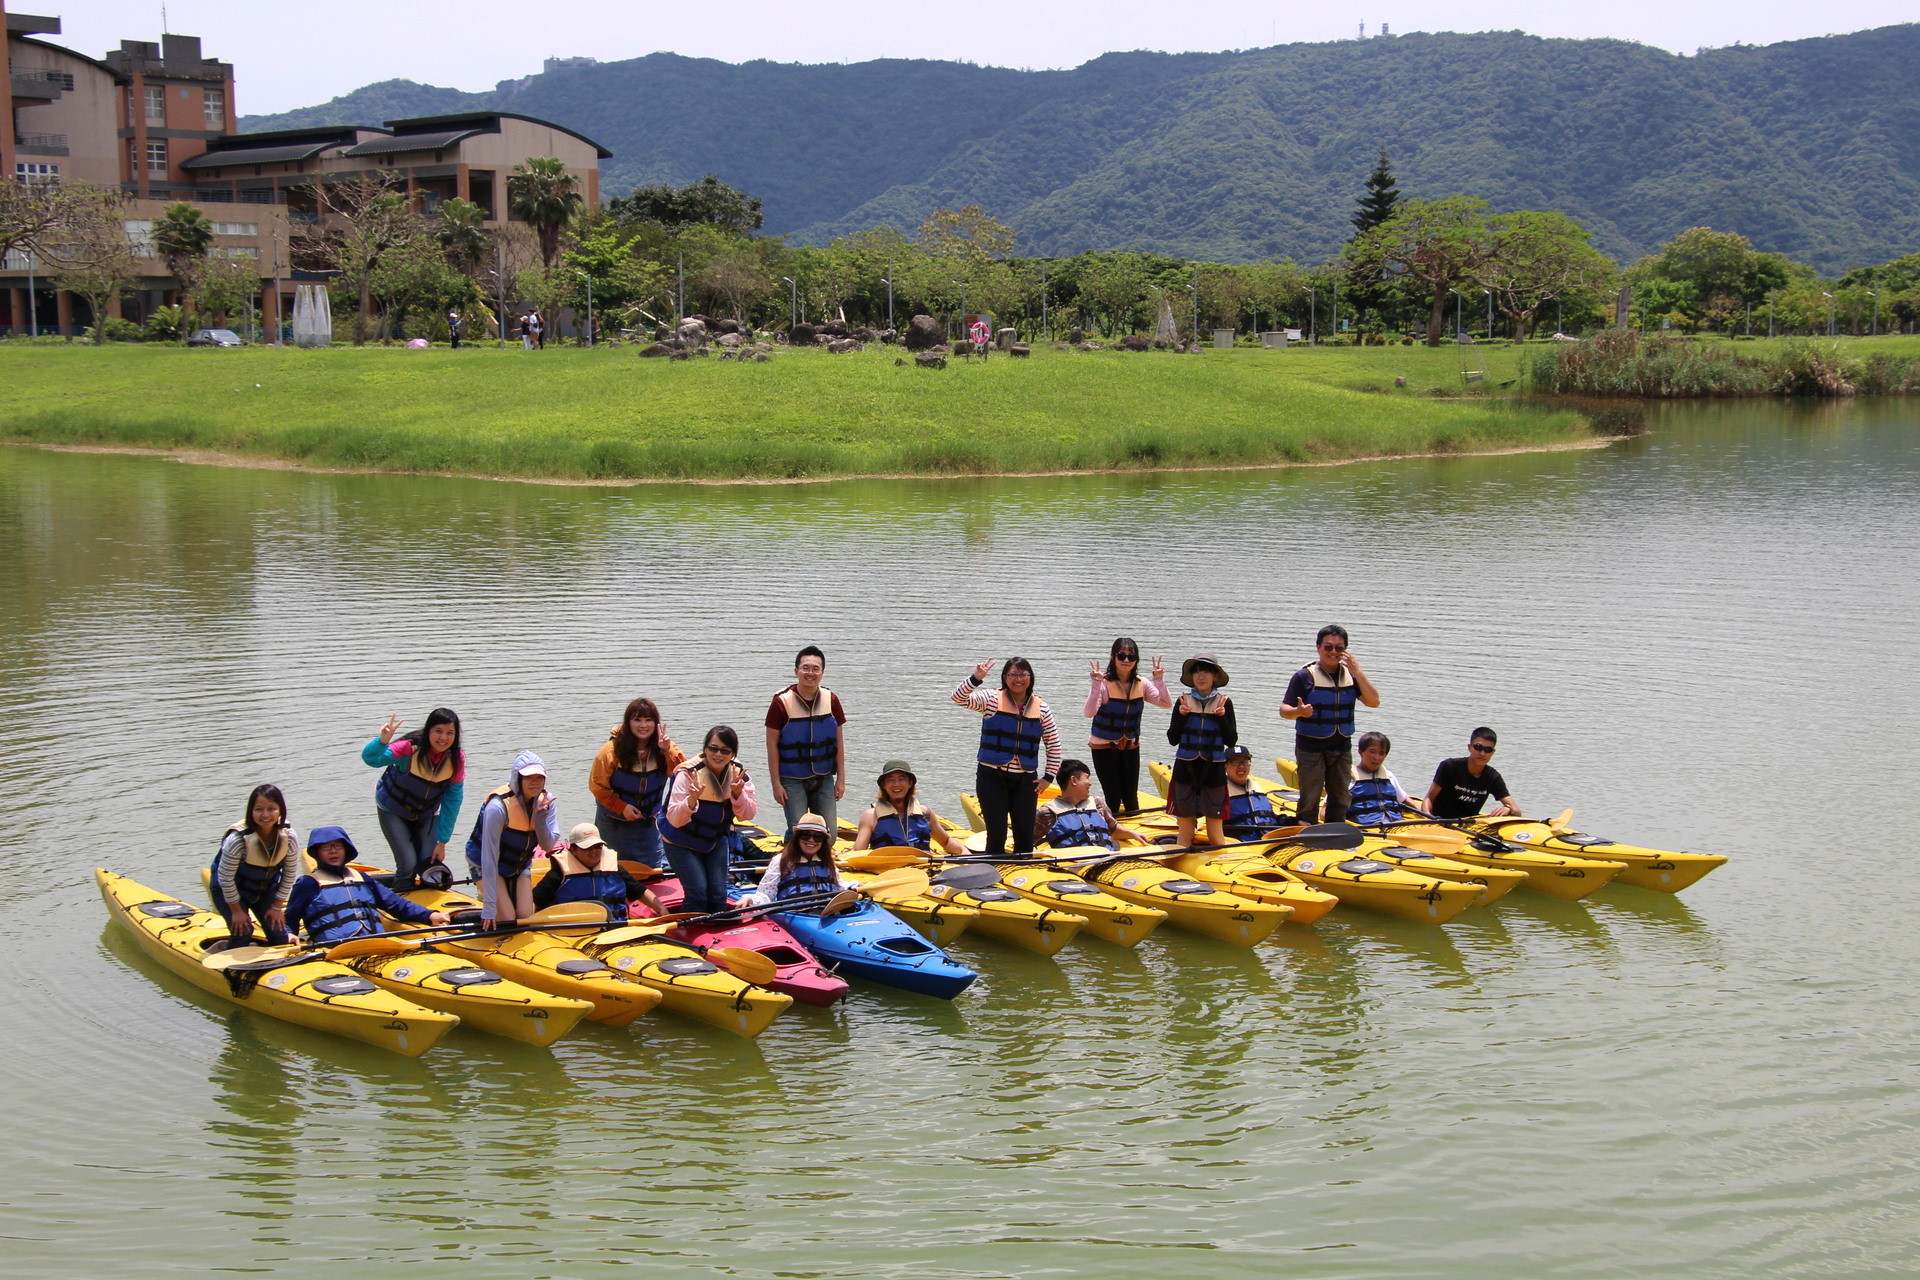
1626 364
608 415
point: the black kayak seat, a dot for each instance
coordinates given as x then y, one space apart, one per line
575 968
1578 838
904 946
993 893
342 984
165 910
686 966
782 956
1068 886
1364 866
1405 854
469 977
1185 886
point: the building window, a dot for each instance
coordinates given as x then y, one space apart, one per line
157 156
156 104
233 251
216 108
36 175
140 237
236 228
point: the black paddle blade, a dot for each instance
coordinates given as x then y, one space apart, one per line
1327 835
973 876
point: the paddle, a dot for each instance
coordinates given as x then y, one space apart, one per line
963 878
399 941
655 926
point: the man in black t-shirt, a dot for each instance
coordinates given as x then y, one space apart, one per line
1463 784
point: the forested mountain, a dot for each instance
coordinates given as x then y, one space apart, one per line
1810 148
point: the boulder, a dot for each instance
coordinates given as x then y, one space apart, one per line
726 326
889 335
1019 349
680 355
841 346
963 347
1005 338
863 334
834 328
923 334
693 331
801 335
727 354
1075 336
1134 342
658 349
929 360
760 357
730 340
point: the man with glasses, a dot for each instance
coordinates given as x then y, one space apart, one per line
1319 701
1465 783
807 743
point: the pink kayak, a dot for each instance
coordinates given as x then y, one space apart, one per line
798 974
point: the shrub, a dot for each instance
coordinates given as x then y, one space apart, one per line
114 329
166 324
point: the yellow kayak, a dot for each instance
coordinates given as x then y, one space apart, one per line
1558 874
688 983
1246 873
1495 882
1040 927
1378 886
480 998
537 959
1189 903
937 919
1661 869
1112 918
317 993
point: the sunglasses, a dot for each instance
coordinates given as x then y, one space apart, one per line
1126 657
1481 747
715 749
1333 648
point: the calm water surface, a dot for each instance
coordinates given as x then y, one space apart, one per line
1703 639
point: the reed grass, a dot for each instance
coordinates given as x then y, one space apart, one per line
1625 364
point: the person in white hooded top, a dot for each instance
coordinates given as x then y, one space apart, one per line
515 822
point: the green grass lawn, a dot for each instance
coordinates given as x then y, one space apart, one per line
606 414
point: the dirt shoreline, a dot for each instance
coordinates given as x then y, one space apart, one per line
213 458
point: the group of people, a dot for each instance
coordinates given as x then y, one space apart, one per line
656 808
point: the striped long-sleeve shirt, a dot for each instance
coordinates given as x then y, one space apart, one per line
986 701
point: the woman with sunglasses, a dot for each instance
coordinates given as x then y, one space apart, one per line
704 798
1014 725
1115 704
805 865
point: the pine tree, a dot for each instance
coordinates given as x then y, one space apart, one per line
1377 205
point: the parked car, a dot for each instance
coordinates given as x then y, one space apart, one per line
215 338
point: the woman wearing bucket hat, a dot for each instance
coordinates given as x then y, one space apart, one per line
335 902
1014 725
897 819
805 864
515 822
1201 731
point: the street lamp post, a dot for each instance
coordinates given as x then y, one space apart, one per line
889 295
500 290
1829 298
1489 294
793 305
1046 334
1874 294
589 279
1194 289
1459 313
962 326
1313 316
33 300
1769 313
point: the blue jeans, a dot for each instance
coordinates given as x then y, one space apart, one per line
811 795
257 908
703 876
635 841
412 844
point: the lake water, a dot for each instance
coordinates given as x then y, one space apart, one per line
1704 638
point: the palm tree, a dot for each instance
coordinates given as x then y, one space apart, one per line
463 234
542 194
182 235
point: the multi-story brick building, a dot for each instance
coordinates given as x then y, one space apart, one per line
158 122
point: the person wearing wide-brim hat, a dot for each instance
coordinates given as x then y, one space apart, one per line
1201 730
588 869
804 867
896 818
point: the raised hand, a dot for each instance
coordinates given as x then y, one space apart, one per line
981 669
391 727
1095 669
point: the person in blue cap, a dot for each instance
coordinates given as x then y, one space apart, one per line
336 902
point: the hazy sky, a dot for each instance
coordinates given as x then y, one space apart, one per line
293 55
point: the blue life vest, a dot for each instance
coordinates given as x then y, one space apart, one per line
1009 738
1203 734
253 882
1118 719
518 839
609 887
809 743
710 823
1252 815
406 787
1372 801
1077 827
808 877
1332 699
641 790
344 910
891 831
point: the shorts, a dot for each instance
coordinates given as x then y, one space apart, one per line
1198 789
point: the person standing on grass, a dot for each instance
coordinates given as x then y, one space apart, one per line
1202 728
1115 704
807 742
1319 701
1463 784
1014 726
520 327
453 329
537 326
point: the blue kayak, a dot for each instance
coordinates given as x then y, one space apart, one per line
871 942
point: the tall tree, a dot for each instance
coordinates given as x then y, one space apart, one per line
968 233
362 220
1433 245
92 256
182 235
1379 199
463 235
1540 257
29 214
542 194
709 200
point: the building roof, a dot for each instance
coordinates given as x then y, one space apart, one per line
348 133
487 122
258 155
412 142
118 77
